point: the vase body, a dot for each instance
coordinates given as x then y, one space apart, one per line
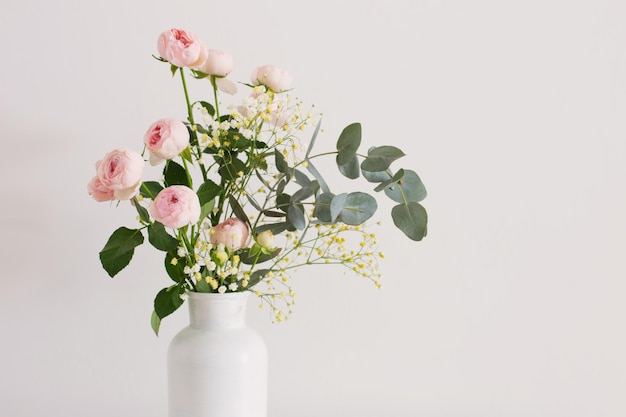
217 366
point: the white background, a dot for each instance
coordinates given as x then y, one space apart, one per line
512 112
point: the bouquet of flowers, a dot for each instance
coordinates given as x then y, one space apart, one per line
240 203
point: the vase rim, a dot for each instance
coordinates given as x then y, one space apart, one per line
215 295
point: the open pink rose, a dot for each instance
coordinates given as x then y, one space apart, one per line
166 139
181 48
176 206
98 191
120 170
232 233
272 77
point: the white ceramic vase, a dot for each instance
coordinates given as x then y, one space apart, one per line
217 366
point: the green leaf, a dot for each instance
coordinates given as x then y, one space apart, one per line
208 106
238 210
257 276
208 191
175 272
348 143
380 158
311 168
175 174
283 201
376 176
143 213
229 170
155 322
173 69
150 189
396 177
168 300
281 164
351 168
119 249
160 239
186 154
276 228
354 208
295 216
205 210
272 213
249 258
313 138
301 178
305 192
322 207
409 188
411 218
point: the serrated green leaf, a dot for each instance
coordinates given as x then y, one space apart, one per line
119 249
176 270
348 143
411 218
409 188
150 189
168 300
175 174
208 106
380 158
229 170
208 191
160 239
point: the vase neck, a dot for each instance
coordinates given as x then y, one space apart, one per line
217 310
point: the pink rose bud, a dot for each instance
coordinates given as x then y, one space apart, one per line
233 234
217 63
181 48
272 77
176 206
120 170
166 139
266 239
98 191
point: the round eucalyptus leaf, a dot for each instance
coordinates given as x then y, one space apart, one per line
409 188
355 208
411 218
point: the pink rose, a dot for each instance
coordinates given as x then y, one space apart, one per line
166 139
121 171
233 234
181 48
176 206
217 63
272 77
98 191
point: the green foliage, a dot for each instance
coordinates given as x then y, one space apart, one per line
250 165
119 249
